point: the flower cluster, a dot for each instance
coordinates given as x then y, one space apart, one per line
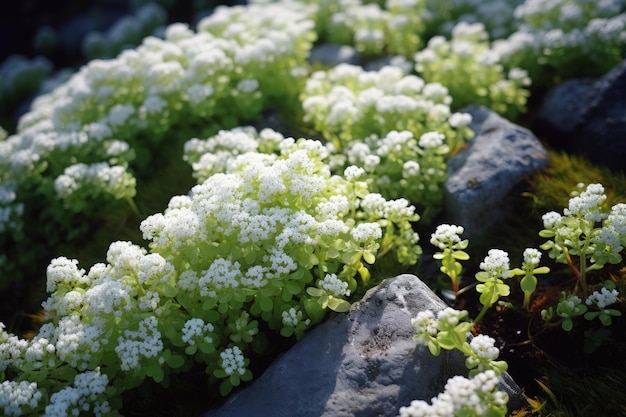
96 133
561 39
395 29
241 247
472 71
586 230
477 396
127 32
348 103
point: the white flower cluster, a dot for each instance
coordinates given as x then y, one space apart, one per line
570 37
85 395
293 317
425 326
484 349
16 397
334 285
462 396
588 204
472 70
144 342
602 298
348 103
446 236
196 329
217 154
94 179
496 264
451 317
240 57
532 257
127 31
233 361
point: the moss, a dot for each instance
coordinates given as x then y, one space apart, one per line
551 188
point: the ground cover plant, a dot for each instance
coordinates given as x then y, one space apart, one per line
176 240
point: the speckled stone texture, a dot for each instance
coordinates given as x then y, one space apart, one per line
364 363
480 177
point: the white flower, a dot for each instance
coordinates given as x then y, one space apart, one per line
432 139
588 203
425 326
248 85
460 119
602 298
532 257
233 361
196 329
135 344
292 317
484 347
364 232
551 219
15 395
446 235
451 316
410 169
496 264
353 172
334 285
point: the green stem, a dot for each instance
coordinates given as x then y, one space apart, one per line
526 304
133 206
481 314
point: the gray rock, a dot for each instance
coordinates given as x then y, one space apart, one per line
332 54
481 176
364 363
588 117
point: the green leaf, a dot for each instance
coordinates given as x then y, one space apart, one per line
369 257
155 372
265 303
567 324
286 331
250 257
294 287
546 233
175 361
225 388
460 255
168 290
338 305
315 292
528 283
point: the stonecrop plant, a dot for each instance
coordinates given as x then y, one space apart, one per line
277 231
472 71
587 230
274 238
82 147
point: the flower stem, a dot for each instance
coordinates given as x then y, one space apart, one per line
481 314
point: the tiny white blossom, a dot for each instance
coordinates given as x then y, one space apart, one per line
602 298
334 285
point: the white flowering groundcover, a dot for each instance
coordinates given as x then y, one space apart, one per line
277 230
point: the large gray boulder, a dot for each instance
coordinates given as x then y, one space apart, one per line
364 363
480 177
588 117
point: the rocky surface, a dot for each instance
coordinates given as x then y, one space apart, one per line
332 54
481 176
588 117
364 363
